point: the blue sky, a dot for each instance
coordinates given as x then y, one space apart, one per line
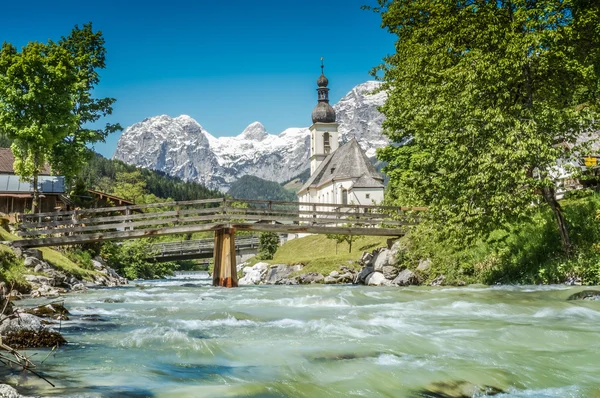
225 63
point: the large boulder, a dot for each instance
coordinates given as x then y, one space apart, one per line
384 258
278 272
390 272
405 278
253 275
363 274
376 279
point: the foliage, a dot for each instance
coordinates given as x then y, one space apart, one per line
525 252
487 96
81 257
341 238
268 242
132 259
11 268
250 187
87 54
130 186
36 99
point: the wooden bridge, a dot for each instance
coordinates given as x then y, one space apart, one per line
197 249
222 216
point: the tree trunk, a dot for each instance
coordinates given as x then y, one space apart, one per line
36 192
550 197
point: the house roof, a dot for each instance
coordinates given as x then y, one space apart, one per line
347 162
7 159
366 181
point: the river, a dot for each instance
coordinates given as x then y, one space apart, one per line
184 338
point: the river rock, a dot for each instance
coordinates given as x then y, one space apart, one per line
439 281
424 265
53 310
363 274
405 278
253 275
334 274
376 279
385 257
366 259
330 280
278 272
458 389
7 391
32 262
586 295
21 322
390 272
35 253
38 279
347 277
310 278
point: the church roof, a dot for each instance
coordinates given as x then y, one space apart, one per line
366 181
348 161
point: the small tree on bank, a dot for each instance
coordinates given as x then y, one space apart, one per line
489 96
268 242
341 238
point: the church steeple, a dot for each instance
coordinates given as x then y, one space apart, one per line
323 112
324 131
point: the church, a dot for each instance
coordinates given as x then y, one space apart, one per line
338 174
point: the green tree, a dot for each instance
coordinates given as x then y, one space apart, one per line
487 96
268 242
88 55
341 238
130 186
36 102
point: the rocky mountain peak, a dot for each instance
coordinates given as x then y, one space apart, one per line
255 132
181 147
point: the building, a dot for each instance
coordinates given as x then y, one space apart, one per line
16 196
338 175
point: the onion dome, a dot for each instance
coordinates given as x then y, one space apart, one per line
322 81
323 112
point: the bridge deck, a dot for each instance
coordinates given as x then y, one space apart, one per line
139 221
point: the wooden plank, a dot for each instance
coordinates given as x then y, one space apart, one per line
120 218
119 235
122 208
106 227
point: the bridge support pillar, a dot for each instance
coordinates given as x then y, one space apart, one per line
225 272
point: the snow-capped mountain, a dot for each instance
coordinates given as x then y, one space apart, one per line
181 147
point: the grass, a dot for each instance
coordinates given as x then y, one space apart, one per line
56 258
318 254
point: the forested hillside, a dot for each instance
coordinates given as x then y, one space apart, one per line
111 176
250 187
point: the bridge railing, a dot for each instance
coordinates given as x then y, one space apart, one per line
135 221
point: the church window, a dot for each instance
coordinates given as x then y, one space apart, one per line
344 197
326 145
368 195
